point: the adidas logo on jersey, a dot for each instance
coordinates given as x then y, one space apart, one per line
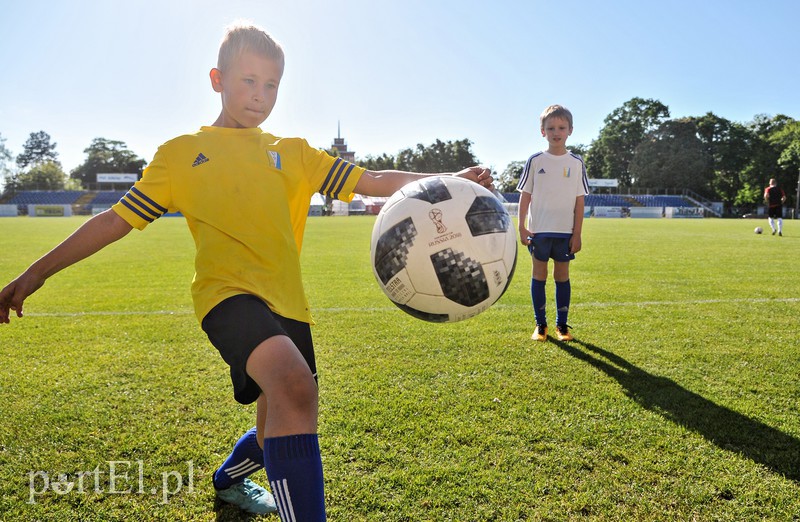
541 171
199 160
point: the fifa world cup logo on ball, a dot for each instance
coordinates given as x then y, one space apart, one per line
436 216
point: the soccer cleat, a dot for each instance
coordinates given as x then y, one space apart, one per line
780 233
540 334
773 232
562 332
249 496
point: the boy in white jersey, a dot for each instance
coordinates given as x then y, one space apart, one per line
553 186
245 195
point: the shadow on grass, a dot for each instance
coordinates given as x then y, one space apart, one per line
228 513
724 427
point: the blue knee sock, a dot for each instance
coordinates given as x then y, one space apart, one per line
539 298
294 468
563 297
246 458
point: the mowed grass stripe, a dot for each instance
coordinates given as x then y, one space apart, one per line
374 309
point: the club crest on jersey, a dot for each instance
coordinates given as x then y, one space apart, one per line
566 172
275 158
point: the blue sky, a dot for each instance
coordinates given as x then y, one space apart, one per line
393 73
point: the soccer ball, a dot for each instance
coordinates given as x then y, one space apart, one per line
443 249
758 230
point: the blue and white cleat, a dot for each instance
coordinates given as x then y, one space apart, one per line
250 497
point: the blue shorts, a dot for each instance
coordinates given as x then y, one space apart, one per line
544 248
237 325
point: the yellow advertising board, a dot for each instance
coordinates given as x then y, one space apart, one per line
48 210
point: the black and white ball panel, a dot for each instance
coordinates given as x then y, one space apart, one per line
461 279
391 251
443 249
433 190
486 215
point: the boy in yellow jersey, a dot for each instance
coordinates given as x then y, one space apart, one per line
245 195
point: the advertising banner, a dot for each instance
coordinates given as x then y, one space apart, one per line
49 210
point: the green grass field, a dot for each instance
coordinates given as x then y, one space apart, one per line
678 401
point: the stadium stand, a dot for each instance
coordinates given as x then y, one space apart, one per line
609 200
108 198
41 197
616 200
85 202
105 199
663 201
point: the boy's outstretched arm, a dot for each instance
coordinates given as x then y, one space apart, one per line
384 183
101 230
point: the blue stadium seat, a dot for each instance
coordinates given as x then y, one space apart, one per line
606 200
108 197
39 197
663 201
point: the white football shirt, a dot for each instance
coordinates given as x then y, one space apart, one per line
554 183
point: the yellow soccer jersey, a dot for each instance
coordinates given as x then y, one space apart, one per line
245 195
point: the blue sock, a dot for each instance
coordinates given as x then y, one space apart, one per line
563 297
539 298
294 468
246 458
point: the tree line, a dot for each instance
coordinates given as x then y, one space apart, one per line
38 167
639 145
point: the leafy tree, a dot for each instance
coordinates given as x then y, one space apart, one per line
766 151
672 156
440 156
382 162
770 151
46 175
748 195
509 179
579 149
625 128
729 147
106 156
763 159
37 149
787 141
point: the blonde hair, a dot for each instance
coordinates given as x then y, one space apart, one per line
244 36
555 111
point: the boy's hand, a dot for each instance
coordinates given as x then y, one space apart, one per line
575 244
13 295
525 236
100 231
480 175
